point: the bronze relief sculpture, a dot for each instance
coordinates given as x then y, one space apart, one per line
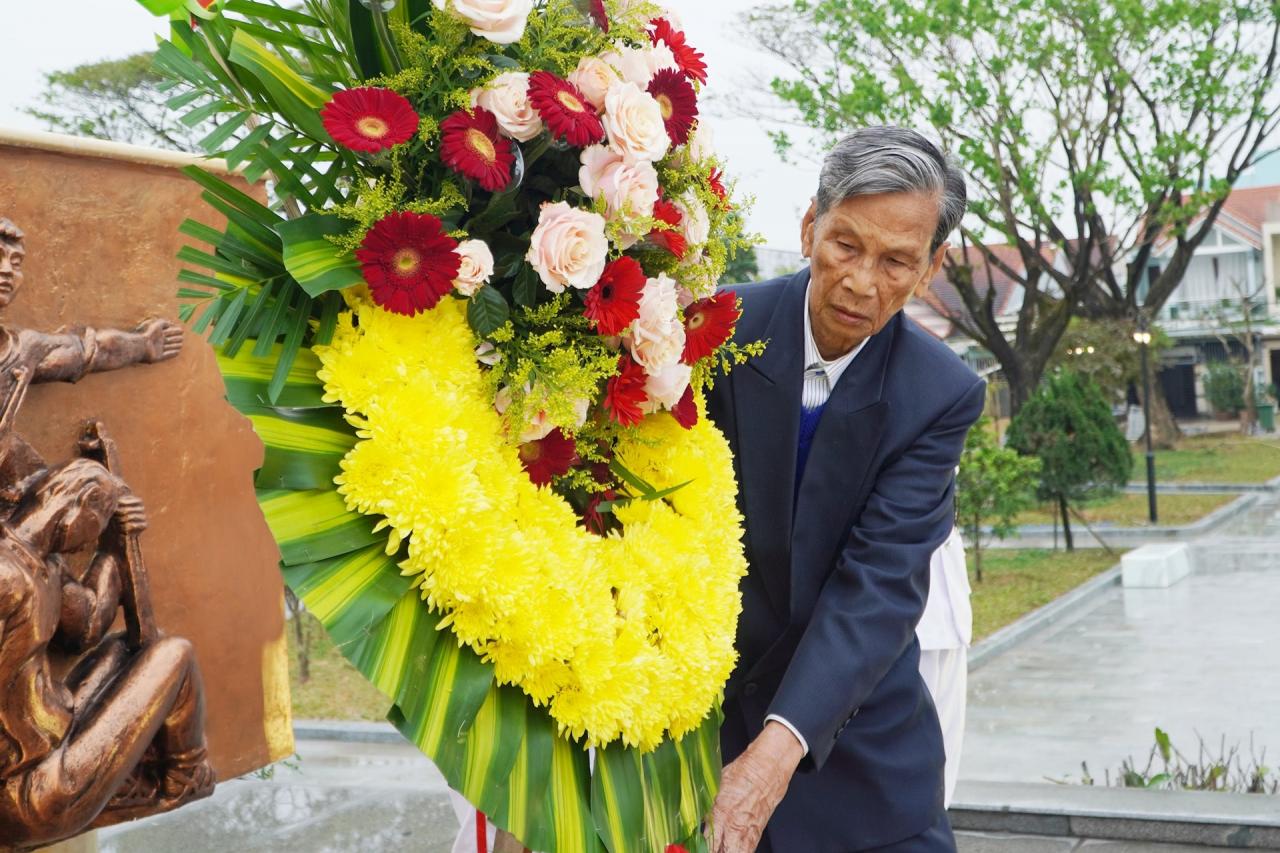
120 733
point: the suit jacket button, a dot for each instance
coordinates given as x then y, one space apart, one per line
750 688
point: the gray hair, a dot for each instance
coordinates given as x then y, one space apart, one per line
892 160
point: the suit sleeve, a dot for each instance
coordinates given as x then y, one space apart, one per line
867 612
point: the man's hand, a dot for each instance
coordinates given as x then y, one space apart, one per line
162 339
131 514
751 788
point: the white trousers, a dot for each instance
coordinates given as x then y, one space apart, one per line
946 673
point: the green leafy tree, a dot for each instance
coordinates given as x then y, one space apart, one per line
1092 132
993 485
123 100
1067 425
1104 351
742 268
1224 386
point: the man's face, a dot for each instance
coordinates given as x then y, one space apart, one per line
868 255
12 255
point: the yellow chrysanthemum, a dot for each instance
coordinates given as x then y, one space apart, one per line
625 638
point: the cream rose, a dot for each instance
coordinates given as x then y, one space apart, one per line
476 267
507 97
656 338
695 223
701 143
666 386
629 191
568 247
498 21
593 77
539 427
633 121
639 64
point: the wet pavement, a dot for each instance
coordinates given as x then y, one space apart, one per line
333 797
1199 659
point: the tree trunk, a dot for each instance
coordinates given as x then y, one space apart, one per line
1066 522
301 636
977 546
1165 431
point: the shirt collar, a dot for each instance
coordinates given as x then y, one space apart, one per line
813 358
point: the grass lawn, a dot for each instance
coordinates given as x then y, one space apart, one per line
1129 510
1221 458
336 690
1016 582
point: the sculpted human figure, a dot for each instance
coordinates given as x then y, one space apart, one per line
63 356
123 734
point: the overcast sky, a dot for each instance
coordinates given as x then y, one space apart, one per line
47 36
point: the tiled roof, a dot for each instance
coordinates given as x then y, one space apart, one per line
943 301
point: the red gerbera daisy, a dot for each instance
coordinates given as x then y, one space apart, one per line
625 394
566 111
716 182
671 240
549 457
470 145
369 119
408 261
614 302
708 323
689 60
674 93
599 14
686 411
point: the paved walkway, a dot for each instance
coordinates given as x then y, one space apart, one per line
1201 658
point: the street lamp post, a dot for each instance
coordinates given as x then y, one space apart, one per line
1143 337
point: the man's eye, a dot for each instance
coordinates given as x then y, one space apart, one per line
848 247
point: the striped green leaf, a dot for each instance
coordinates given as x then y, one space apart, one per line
617 800
293 97
304 448
315 525
248 377
312 259
699 753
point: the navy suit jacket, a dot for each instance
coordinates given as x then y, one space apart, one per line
839 575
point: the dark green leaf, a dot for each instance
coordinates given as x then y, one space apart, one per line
527 286
487 311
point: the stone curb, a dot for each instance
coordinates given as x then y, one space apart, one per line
349 731
1203 488
1246 821
1063 607
1041 535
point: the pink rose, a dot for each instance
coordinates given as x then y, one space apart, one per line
656 338
568 247
476 268
695 223
629 191
666 386
507 97
498 21
634 124
639 64
593 77
538 427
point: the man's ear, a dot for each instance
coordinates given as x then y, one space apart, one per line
936 263
807 225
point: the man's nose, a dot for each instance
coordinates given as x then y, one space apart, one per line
860 277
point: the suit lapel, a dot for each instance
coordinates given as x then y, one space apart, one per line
839 462
767 395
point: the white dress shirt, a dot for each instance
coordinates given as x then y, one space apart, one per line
820 377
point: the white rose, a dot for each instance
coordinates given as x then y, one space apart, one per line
507 97
498 21
476 267
488 354
568 248
695 223
629 191
657 335
593 77
639 64
539 427
633 121
701 143
666 386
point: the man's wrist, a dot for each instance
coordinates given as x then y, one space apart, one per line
782 745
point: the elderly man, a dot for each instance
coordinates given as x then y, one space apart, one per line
847 432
